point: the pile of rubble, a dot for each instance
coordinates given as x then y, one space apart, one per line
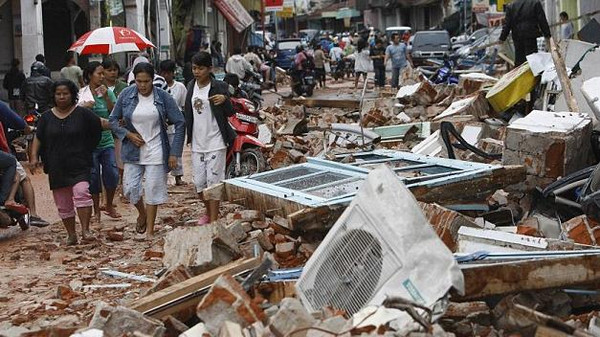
436 210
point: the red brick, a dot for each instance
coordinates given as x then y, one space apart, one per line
115 236
579 229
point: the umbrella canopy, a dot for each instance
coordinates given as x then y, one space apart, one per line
110 40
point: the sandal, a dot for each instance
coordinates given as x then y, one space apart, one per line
140 227
114 214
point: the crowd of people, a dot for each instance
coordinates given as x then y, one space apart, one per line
99 133
364 55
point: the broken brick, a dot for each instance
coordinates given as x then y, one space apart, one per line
65 293
581 229
285 249
227 301
115 236
153 254
446 223
290 317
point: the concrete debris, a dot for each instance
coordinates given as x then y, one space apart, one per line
198 330
549 144
422 93
292 316
227 301
116 321
200 248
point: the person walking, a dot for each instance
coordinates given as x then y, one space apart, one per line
377 54
527 21
320 60
71 71
13 81
97 97
207 106
139 119
362 61
111 76
400 58
178 91
66 137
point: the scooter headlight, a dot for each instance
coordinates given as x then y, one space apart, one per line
249 105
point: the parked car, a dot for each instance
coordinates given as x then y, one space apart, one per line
430 44
286 51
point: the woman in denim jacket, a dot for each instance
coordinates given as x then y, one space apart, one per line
139 119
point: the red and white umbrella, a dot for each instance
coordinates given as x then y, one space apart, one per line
110 40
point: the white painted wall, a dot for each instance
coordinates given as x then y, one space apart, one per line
32 30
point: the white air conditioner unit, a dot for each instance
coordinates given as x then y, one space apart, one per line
381 246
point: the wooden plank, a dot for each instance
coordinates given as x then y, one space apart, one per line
565 82
493 279
187 287
470 189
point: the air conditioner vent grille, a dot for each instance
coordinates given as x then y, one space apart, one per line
349 274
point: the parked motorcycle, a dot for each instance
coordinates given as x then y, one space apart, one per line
337 70
14 215
245 157
445 74
252 85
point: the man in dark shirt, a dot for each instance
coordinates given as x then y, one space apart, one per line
377 54
527 20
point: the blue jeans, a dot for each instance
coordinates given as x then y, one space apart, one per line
105 165
396 76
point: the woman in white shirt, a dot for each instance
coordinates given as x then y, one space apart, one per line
147 155
362 61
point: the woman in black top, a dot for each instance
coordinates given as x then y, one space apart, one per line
66 137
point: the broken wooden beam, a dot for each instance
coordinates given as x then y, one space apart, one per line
493 279
561 71
186 294
472 188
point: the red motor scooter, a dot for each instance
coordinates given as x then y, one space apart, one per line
244 157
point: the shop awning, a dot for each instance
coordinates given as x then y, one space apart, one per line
235 14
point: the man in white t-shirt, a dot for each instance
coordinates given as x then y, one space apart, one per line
178 92
207 107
